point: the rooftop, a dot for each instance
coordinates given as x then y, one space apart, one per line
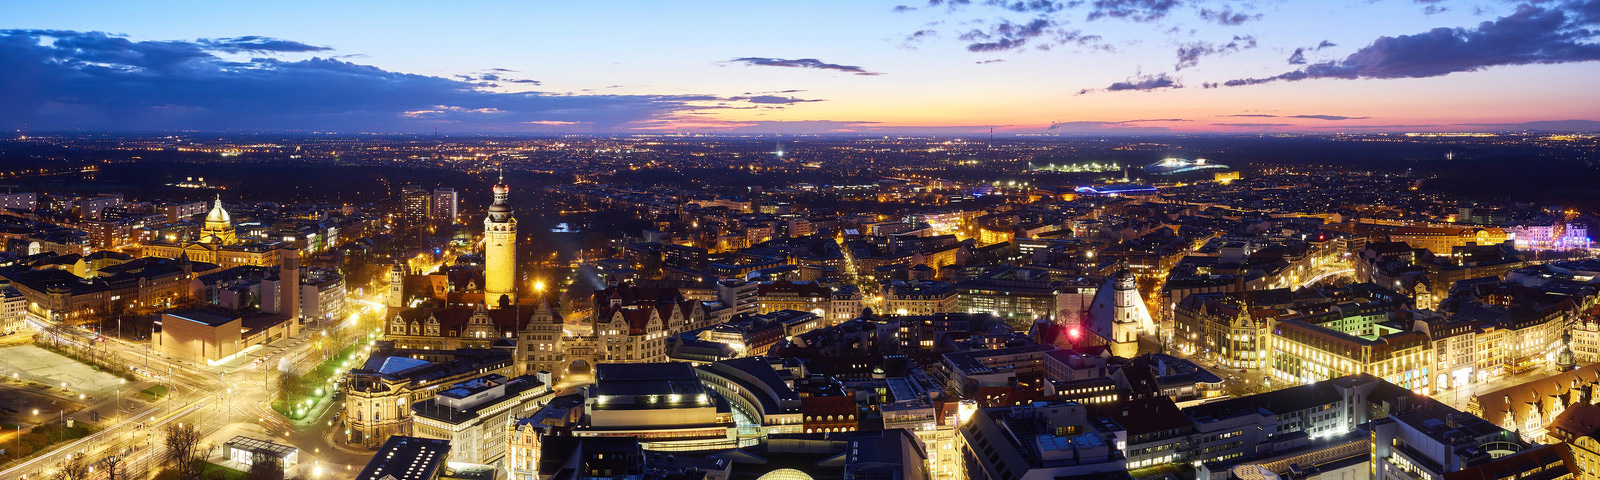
406 458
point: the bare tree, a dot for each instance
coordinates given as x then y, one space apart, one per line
183 449
73 468
288 384
265 467
114 466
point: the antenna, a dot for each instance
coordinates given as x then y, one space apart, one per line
502 167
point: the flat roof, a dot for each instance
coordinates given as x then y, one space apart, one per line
646 379
406 458
259 446
203 317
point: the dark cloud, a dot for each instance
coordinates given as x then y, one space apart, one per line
1314 117
1299 55
256 44
1043 33
1253 124
1189 54
1328 117
1030 6
1531 35
992 60
96 81
1132 10
1433 9
1227 16
773 100
802 63
489 79
1006 35
902 9
918 36
1143 83
1121 126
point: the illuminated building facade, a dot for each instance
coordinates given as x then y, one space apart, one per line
378 396
1531 407
1558 236
451 328
630 324
925 298
802 296
500 250
445 205
415 204
1019 295
1226 330
1438 240
219 244
472 415
1305 352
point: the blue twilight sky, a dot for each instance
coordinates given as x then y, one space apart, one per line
941 66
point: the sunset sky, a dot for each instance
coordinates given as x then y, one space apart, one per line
940 67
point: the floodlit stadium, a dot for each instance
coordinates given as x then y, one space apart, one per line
1180 166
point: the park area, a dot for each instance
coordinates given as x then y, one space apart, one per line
299 395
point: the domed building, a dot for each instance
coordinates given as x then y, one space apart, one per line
218 228
218 243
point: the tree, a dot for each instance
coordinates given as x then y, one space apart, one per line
183 449
113 466
288 385
73 468
265 467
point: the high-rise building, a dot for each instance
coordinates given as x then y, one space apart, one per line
500 250
444 204
414 205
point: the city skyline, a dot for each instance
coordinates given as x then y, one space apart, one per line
1106 67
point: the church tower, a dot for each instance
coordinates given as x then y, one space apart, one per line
500 250
1119 316
1125 324
218 228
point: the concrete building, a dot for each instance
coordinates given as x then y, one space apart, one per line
1041 440
415 204
212 336
378 396
445 205
407 458
740 295
664 404
13 309
472 415
27 201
